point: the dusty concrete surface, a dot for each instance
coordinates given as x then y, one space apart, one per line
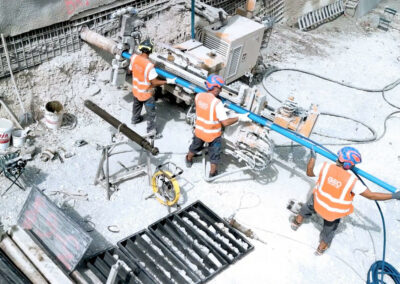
348 50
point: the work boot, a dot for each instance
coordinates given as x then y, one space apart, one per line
188 163
294 224
322 247
137 120
154 134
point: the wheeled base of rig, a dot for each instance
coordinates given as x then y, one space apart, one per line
111 181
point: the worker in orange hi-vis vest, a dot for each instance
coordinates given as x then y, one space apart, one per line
210 117
333 194
144 80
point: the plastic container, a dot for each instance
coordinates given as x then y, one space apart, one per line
18 138
53 113
6 127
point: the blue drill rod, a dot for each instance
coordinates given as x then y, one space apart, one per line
265 122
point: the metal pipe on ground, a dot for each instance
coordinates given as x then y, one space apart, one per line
8 246
38 257
78 277
268 123
132 135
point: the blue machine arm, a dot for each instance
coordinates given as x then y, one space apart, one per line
283 131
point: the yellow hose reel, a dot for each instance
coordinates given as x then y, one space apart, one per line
164 184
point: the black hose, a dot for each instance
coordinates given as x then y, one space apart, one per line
374 137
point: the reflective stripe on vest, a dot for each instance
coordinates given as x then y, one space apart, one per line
141 85
333 197
208 127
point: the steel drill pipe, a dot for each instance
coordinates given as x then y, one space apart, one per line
132 135
268 123
99 40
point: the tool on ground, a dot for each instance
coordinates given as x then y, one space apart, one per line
12 165
164 184
246 231
80 195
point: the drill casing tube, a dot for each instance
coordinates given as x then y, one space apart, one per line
132 135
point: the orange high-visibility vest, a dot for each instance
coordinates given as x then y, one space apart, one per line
333 196
141 86
208 127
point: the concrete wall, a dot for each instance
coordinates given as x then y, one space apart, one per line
296 8
364 6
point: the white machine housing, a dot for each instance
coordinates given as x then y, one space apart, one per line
238 42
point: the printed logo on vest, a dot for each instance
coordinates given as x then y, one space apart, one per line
334 182
203 105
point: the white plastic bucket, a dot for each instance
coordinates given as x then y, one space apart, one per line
18 138
53 113
6 127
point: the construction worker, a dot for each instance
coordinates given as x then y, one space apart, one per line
334 192
210 117
144 80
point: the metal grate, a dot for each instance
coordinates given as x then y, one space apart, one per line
154 258
218 45
317 17
101 264
234 62
188 246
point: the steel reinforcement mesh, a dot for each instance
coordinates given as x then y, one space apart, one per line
40 45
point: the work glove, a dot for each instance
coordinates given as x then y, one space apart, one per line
171 81
396 195
244 117
312 154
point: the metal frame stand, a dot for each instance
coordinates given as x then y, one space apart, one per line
110 181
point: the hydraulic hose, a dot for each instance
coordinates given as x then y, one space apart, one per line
265 122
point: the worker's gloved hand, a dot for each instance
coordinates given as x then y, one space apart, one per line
396 195
171 81
312 154
244 117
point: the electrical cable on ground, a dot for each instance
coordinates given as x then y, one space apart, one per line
354 140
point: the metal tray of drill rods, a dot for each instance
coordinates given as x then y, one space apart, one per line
188 246
203 241
101 263
154 258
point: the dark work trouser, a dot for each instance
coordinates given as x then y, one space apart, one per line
214 148
329 228
150 107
